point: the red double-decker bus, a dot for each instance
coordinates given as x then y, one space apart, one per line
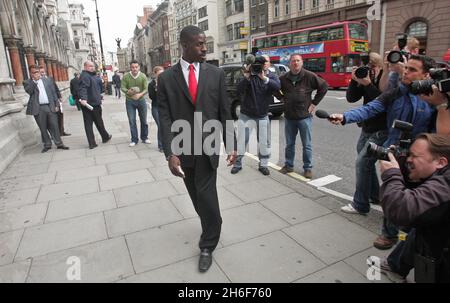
328 50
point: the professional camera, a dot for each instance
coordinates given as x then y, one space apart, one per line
401 150
397 56
363 71
439 77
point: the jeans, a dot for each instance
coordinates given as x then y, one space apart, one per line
141 107
155 115
245 124
367 185
118 91
292 127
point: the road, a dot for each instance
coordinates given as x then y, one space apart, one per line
334 147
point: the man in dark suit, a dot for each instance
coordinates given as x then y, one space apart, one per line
185 91
74 87
60 113
43 105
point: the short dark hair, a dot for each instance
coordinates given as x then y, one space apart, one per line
188 32
135 62
427 62
33 67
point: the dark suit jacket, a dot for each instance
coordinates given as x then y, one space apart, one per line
175 103
32 89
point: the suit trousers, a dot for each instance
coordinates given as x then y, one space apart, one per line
94 116
48 122
61 123
201 182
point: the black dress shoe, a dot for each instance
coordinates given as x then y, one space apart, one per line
46 149
205 260
93 146
264 170
63 147
66 134
107 140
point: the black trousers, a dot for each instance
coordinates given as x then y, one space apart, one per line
48 122
61 123
201 182
90 117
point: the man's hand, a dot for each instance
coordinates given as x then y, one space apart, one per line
83 102
131 92
312 109
231 159
336 119
175 166
262 76
57 109
365 81
385 165
437 98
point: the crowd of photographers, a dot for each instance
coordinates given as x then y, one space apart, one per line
405 124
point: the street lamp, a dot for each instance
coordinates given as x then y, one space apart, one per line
100 37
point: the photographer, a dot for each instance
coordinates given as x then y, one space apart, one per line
425 206
399 104
441 101
374 130
256 88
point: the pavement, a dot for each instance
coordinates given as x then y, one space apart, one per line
116 214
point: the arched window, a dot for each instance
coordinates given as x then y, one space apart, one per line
276 8
419 30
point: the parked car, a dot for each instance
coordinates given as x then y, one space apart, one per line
233 75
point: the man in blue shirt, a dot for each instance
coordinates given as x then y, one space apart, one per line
399 104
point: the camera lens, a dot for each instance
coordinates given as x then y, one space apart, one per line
422 87
378 152
395 57
362 72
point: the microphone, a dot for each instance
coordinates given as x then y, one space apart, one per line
321 114
249 59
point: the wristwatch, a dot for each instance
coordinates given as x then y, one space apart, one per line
443 105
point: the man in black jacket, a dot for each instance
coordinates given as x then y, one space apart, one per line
296 90
424 206
373 130
257 92
74 87
91 101
117 84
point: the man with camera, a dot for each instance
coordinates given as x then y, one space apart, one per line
399 104
296 91
256 88
364 84
423 205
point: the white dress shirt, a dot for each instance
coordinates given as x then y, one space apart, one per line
185 69
43 98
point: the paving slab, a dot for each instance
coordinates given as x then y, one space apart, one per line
27 182
22 217
102 150
124 180
114 158
273 258
249 221
139 217
66 176
258 190
336 273
129 166
295 208
9 242
80 206
15 273
101 262
68 165
69 155
145 192
25 169
61 235
10 199
331 238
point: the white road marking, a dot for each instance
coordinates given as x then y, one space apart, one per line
324 181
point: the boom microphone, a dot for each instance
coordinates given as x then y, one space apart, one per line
320 113
249 59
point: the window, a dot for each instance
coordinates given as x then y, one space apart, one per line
301 37
261 1
336 33
77 44
209 47
273 41
203 25
337 64
318 35
260 43
230 32
315 65
301 5
228 75
287 7
237 30
285 40
75 33
253 2
315 3
253 23
202 12
276 8
262 20
330 4
228 8
357 31
417 29
238 6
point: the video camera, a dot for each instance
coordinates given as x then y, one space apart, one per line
397 56
401 150
439 77
363 71
254 64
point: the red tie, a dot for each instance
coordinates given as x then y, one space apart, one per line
192 84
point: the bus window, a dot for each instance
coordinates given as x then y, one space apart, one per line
352 60
337 64
284 40
237 76
260 43
318 35
301 37
273 41
357 31
315 65
336 33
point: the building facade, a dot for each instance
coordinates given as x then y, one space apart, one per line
160 41
258 10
